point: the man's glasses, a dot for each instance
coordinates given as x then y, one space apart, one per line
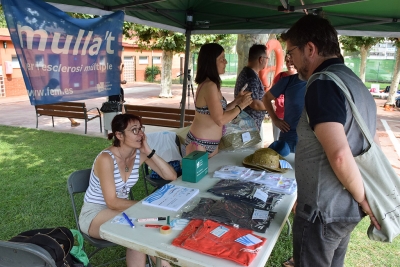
265 57
136 131
291 50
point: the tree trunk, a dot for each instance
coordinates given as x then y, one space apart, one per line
395 82
166 74
244 42
363 63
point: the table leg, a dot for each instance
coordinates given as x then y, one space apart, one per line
158 262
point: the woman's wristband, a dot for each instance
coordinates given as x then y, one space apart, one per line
151 154
240 109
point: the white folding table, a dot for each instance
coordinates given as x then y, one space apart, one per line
152 242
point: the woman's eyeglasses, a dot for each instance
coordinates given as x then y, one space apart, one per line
136 131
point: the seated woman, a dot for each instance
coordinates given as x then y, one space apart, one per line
212 110
115 170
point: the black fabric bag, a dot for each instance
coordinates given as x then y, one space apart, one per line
111 106
57 241
118 98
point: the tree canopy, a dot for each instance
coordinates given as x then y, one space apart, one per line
355 43
362 45
3 23
154 38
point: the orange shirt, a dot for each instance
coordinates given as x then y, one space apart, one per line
198 236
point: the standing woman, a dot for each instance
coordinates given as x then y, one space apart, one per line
212 109
280 101
115 170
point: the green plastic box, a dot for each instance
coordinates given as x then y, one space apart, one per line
195 166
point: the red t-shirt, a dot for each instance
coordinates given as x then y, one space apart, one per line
280 101
197 236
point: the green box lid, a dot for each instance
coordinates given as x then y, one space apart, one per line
195 155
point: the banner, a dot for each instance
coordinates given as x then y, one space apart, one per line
64 58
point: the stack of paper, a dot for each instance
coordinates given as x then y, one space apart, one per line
232 172
170 197
274 181
278 183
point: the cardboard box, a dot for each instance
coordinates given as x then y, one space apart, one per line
195 166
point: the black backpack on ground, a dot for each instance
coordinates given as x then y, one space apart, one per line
57 241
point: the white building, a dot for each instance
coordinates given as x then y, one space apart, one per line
385 50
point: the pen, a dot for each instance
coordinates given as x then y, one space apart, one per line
153 225
152 219
129 220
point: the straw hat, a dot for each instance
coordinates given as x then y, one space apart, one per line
265 159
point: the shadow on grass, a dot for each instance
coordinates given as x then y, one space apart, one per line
35 166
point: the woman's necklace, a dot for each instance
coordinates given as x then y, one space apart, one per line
126 165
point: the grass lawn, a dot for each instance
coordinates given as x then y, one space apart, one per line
34 169
229 82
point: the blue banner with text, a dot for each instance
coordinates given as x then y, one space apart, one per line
64 58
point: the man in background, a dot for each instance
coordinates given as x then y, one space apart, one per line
249 75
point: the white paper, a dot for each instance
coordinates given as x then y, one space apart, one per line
260 214
233 172
284 164
248 240
261 195
170 197
246 137
219 231
270 180
255 176
179 224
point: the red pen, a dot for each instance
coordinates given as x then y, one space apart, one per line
153 225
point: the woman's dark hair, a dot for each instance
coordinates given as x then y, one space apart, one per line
207 64
119 124
315 29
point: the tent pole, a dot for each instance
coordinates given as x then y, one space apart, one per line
185 77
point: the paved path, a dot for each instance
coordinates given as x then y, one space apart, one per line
17 111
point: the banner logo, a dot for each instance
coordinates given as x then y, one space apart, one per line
63 58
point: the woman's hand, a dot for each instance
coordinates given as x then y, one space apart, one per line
145 148
281 125
241 92
244 99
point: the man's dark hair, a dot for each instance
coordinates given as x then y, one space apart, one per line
207 64
256 51
315 29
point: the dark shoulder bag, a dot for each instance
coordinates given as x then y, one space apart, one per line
57 241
